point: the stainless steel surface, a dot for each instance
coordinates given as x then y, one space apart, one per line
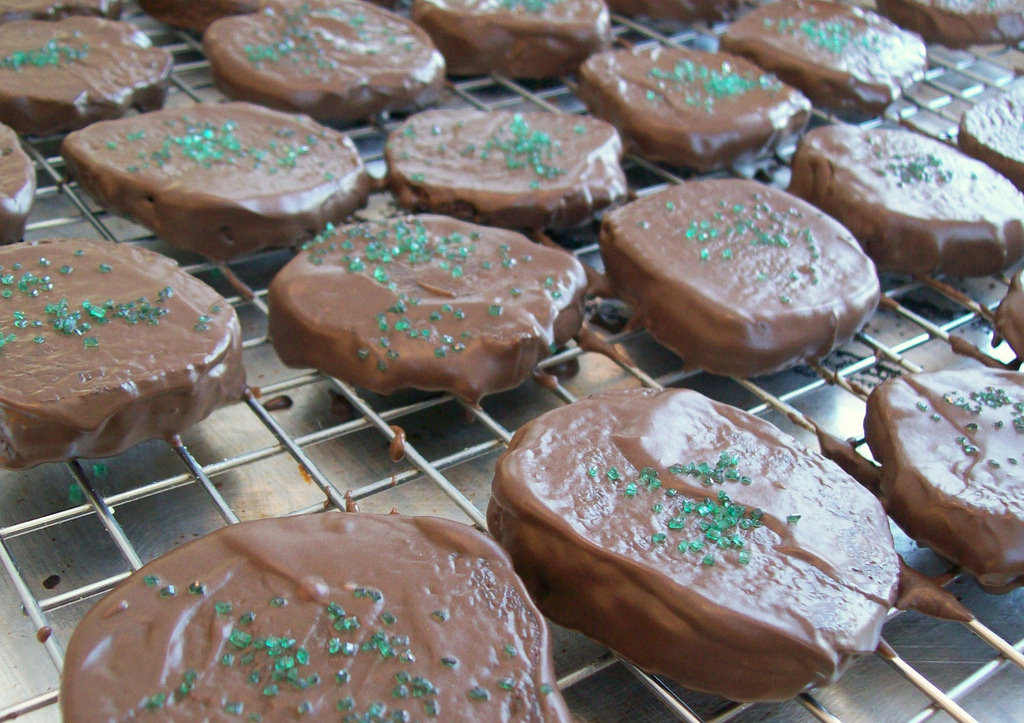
61 545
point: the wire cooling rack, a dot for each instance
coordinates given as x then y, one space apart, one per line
300 442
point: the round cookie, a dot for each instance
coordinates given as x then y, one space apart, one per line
290 618
1010 315
842 57
686 10
443 305
736 277
664 522
17 186
56 9
915 204
105 345
959 23
221 179
197 16
518 38
343 60
63 75
993 132
690 108
952 473
518 170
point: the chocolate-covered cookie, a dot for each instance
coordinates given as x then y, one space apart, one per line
63 75
56 9
1010 315
915 204
442 305
104 345
519 170
993 132
688 10
959 23
291 618
17 186
222 179
952 470
664 522
197 16
520 38
341 60
690 108
843 57
736 277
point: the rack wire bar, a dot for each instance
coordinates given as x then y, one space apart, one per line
52 167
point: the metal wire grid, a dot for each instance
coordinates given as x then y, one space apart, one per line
934 106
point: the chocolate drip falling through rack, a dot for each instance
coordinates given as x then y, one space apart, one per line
915 323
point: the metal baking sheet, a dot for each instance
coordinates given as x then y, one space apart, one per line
62 546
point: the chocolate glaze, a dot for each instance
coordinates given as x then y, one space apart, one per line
992 132
17 186
1010 315
959 23
101 69
915 204
459 308
452 162
279 595
197 16
738 278
842 57
265 178
114 375
920 593
590 501
949 446
56 9
349 60
679 9
519 38
690 108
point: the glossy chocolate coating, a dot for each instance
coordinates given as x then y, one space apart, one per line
593 500
842 57
915 204
197 16
459 307
736 277
56 9
17 186
314 626
993 132
518 38
264 178
116 69
92 378
949 446
346 60
678 9
528 170
959 23
690 108
1010 315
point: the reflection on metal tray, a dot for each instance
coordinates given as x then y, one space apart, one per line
304 442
